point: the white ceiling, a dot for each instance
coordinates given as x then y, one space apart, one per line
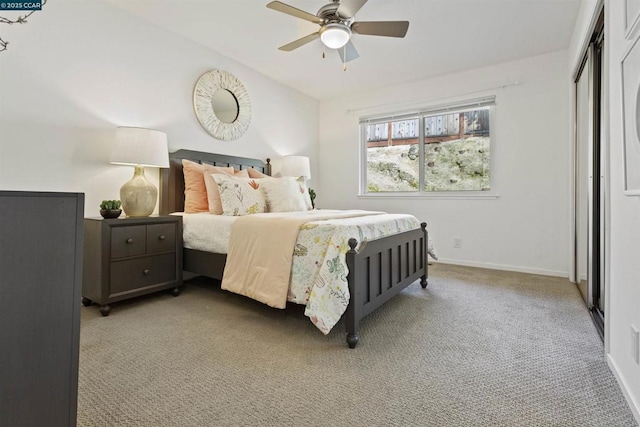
444 36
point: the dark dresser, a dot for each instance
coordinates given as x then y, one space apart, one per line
40 280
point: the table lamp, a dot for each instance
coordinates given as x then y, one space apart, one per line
296 166
139 148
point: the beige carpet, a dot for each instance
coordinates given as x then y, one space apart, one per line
476 348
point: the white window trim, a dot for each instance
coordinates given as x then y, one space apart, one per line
443 195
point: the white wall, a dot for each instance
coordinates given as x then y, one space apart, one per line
526 227
624 279
78 70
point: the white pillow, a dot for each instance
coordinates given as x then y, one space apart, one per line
286 194
240 196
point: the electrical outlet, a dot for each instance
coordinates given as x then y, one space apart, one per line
457 242
635 344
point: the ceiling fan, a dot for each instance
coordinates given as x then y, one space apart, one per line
337 24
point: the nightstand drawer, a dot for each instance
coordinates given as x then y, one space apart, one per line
161 238
137 273
128 241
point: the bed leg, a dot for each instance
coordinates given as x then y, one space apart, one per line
354 309
352 340
353 326
105 310
423 279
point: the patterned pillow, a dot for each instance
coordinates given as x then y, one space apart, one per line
286 194
240 196
213 194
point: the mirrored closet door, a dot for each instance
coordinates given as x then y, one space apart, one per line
590 189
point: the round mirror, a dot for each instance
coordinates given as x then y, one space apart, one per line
225 106
222 105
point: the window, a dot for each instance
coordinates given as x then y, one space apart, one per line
447 149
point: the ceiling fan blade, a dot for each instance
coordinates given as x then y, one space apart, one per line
300 42
290 10
381 28
351 52
349 8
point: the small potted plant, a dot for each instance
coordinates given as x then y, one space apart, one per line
110 208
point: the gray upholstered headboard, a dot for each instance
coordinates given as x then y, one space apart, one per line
172 179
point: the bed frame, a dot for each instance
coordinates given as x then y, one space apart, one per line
379 270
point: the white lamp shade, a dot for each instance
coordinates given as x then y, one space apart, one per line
138 146
334 36
296 166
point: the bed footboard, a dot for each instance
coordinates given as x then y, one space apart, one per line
379 270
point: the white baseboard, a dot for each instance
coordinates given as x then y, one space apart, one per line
505 267
633 403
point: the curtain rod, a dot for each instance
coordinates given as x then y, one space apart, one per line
420 104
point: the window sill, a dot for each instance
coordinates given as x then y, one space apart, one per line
440 196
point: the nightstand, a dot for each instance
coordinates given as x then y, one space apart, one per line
130 257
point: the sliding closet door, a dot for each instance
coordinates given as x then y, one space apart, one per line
583 146
590 185
598 195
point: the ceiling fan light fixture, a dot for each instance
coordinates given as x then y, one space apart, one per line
335 36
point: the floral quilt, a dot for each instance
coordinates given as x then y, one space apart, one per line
319 269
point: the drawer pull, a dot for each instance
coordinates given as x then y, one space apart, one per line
129 241
161 237
145 271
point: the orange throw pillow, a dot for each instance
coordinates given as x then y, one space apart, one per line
254 173
195 192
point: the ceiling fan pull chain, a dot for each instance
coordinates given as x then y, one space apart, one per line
344 58
323 51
